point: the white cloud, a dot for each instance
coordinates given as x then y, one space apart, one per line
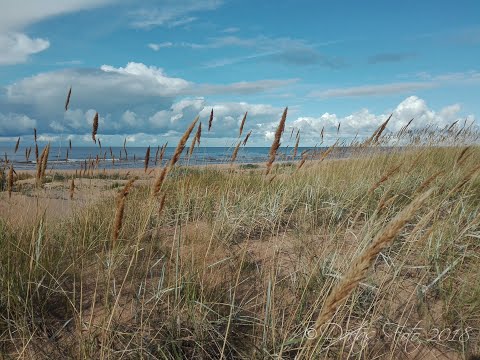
16 47
15 15
152 75
13 124
183 21
282 49
169 124
172 13
156 47
108 89
130 119
428 81
235 60
131 98
372 90
231 30
242 87
364 122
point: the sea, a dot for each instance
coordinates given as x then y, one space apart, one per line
135 156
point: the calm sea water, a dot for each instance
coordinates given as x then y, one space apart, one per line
136 156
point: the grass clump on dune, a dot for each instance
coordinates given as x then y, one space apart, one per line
336 259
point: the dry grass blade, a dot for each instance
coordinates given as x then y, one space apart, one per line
196 139
176 156
162 204
39 163
72 188
10 181
378 132
68 98
470 175
147 158
384 178
464 151
382 129
117 226
404 129
70 144
302 162
36 153
360 265
242 124
35 134
45 160
99 144
159 181
235 152
162 153
328 151
198 134
210 120
156 154
246 137
182 142
27 153
276 141
95 127
17 145
428 181
295 149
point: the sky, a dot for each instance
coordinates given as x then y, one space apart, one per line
149 67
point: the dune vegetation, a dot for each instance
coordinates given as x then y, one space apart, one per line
372 256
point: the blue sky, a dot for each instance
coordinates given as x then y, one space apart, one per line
149 67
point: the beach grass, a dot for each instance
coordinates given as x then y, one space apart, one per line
373 256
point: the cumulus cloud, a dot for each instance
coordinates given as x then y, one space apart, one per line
364 122
16 47
130 99
164 85
169 123
14 124
109 88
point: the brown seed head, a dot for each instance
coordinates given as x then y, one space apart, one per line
68 98
243 123
235 152
210 120
95 127
276 141
358 269
16 145
147 158
72 188
246 137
